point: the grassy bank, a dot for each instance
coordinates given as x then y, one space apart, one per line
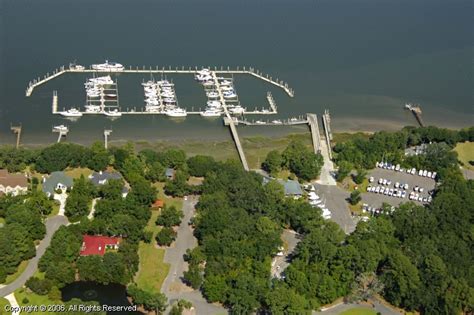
3 303
19 271
25 298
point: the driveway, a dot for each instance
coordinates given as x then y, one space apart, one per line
173 286
62 202
373 304
327 170
52 225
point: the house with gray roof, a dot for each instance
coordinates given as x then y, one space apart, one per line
55 181
169 173
291 187
102 177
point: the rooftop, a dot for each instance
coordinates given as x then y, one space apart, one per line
12 180
97 244
54 179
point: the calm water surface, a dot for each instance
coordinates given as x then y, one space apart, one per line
361 59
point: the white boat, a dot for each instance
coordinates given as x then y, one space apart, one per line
108 66
167 95
100 81
259 122
73 66
214 104
230 95
112 113
92 108
110 95
73 112
169 100
149 84
212 94
152 102
60 128
176 112
277 122
208 83
210 113
227 88
225 83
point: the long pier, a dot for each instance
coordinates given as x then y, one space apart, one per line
156 70
315 135
17 130
231 123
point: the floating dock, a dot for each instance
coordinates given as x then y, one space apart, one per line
157 70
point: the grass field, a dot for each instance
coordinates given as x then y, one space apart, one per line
55 209
19 271
3 302
170 201
33 299
358 311
465 153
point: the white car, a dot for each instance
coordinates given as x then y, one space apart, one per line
413 171
433 175
384 182
420 173
428 175
420 189
397 184
371 179
405 186
404 194
425 172
380 180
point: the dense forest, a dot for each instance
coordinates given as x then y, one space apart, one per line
417 257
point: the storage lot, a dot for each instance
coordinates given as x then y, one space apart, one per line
376 199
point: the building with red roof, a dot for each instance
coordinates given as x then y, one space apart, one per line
97 244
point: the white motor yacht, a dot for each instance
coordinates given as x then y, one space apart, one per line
153 102
61 128
108 66
225 83
112 113
211 113
73 112
229 95
277 122
214 104
149 84
227 88
259 122
176 112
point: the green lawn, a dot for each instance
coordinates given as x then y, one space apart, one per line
19 271
33 299
170 201
465 153
358 311
153 270
3 302
77 172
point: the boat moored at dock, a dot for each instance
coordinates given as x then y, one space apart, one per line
108 66
73 112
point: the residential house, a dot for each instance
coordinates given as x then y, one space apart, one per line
97 244
14 184
55 181
101 178
158 204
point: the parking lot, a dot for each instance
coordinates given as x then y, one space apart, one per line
391 177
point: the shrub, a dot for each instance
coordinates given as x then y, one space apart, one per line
166 236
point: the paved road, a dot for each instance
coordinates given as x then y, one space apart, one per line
173 286
328 167
52 225
280 263
335 200
376 306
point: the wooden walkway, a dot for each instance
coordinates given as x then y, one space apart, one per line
327 128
